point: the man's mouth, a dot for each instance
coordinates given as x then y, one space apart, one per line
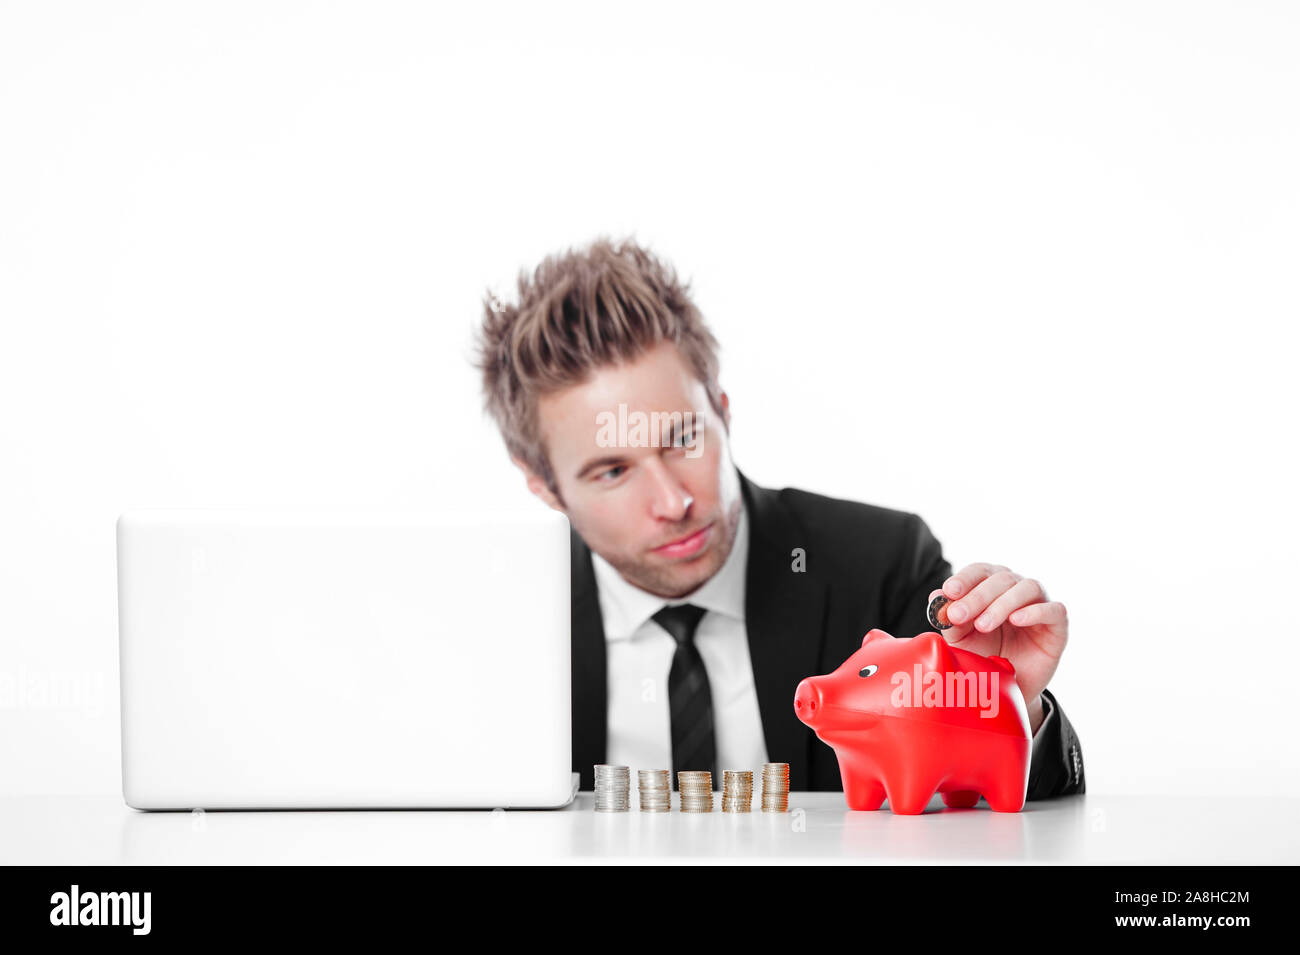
686 546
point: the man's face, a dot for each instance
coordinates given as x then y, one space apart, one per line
643 471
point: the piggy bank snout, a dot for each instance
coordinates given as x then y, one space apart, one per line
808 704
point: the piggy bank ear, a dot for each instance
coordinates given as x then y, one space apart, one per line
873 635
936 653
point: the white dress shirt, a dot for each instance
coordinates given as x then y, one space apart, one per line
639 654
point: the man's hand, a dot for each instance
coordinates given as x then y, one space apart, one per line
995 611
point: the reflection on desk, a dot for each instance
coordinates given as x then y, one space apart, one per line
1088 829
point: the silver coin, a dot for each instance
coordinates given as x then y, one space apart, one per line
613 786
696 790
737 790
776 787
932 612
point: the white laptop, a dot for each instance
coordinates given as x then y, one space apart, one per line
277 660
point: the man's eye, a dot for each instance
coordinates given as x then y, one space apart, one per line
683 440
612 474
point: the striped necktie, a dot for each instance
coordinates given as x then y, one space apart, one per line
689 702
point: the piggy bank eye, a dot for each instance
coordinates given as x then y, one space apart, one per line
867 670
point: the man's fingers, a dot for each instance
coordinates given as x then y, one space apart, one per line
965 580
1024 592
1052 613
968 608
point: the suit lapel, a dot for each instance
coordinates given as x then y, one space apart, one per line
785 623
587 664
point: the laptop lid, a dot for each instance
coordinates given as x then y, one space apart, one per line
344 660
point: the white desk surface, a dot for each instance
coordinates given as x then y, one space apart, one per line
1087 829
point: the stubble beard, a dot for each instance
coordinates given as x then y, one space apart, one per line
673 581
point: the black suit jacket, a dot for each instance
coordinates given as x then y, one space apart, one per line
865 567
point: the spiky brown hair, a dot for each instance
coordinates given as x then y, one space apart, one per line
580 310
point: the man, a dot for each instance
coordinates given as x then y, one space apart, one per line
700 599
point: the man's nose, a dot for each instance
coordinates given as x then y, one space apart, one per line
671 501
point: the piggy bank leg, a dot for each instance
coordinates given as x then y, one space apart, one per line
863 794
910 798
1006 798
960 798
1006 791
862 787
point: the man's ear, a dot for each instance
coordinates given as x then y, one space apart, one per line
537 485
726 410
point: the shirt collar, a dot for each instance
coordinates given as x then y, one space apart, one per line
624 607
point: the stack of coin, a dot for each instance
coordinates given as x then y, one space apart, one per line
612 785
695 788
776 787
737 790
652 784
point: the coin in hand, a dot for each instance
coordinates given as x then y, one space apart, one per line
936 605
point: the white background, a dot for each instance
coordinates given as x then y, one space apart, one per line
1026 269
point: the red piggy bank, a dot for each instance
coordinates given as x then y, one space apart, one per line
907 718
